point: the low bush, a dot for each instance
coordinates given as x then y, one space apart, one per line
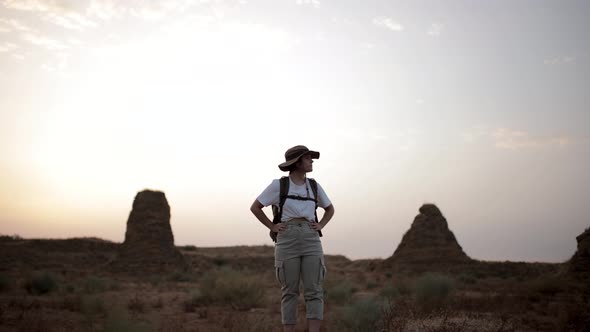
189 248
467 279
340 292
182 276
95 284
136 304
231 287
548 286
41 283
433 289
118 320
93 305
221 261
195 299
396 288
5 282
359 316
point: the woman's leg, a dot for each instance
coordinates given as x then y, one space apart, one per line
291 269
314 325
313 271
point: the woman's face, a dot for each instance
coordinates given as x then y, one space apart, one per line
305 163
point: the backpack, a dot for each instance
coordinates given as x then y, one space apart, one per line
277 210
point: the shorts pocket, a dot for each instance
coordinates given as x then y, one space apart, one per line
280 272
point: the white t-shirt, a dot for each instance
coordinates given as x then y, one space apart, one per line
294 208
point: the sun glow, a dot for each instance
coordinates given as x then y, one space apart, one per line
144 113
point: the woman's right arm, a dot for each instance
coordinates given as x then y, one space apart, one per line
256 209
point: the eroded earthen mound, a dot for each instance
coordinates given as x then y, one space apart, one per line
149 242
429 244
580 262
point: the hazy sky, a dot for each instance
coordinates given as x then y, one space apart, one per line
480 107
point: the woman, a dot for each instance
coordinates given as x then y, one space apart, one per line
298 250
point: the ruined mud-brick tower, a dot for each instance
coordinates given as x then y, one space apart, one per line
149 242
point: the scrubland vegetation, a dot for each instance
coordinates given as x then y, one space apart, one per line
235 290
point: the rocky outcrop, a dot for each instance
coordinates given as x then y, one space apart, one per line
580 262
149 242
429 244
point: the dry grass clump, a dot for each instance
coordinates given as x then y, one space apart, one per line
575 315
117 320
230 287
363 314
339 292
194 300
40 283
136 304
433 290
402 315
93 305
547 286
396 288
6 282
189 247
94 284
250 322
182 276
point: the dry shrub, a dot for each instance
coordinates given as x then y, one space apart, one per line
547 286
432 290
159 303
182 276
93 284
230 287
363 314
136 305
41 283
71 303
172 323
5 282
400 287
339 292
189 247
195 299
401 315
250 322
575 315
93 305
118 320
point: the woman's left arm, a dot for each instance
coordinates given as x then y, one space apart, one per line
328 214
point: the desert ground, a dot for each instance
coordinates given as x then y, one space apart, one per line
70 285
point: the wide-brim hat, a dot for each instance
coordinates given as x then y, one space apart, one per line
293 155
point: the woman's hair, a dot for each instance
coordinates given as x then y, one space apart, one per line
293 167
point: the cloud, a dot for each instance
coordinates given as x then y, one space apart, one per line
44 41
388 23
511 139
13 25
474 134
34 5
58 65
515 139
79 14
146 10
560 60
70 20
7 47
435 29
314 3
67 14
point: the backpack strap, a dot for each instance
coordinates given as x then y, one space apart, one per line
283 193
314 189
277 211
